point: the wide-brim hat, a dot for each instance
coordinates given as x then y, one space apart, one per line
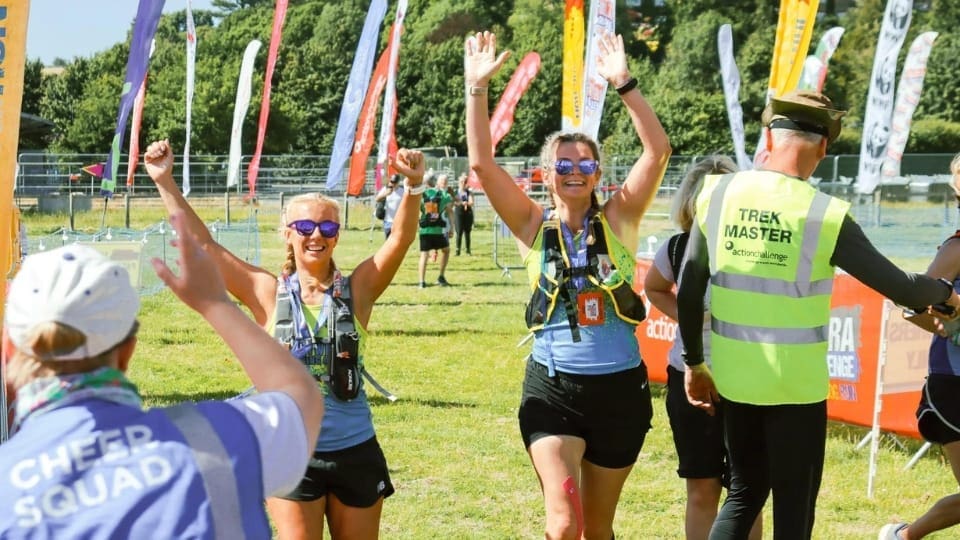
808 110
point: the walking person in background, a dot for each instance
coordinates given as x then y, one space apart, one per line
463 213
86 461
938 416
391 195
322 315
586 408
436 214
697 436
767 242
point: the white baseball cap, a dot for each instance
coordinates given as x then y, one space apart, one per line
77 286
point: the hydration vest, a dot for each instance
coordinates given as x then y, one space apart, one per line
556 278
334 359
431 212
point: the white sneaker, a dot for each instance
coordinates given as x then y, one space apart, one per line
891 531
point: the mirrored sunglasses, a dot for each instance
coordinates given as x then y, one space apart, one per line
305 227
586 166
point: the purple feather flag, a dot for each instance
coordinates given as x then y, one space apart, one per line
144 27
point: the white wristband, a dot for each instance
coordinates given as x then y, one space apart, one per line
417 190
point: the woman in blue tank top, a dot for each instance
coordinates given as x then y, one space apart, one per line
348 479
585 408
938 415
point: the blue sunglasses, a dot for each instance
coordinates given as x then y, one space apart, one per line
305 227
586 166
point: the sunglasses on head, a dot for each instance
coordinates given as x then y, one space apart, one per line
586 166
305 227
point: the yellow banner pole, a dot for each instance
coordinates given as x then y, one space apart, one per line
13 48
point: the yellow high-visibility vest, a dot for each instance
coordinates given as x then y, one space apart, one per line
770 238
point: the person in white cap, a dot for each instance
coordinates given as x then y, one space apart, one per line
87 461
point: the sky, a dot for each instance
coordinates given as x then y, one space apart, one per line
71 28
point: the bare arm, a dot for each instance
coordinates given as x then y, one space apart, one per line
660 292
521 215
269 365
372 276
253 286
627 206
945 265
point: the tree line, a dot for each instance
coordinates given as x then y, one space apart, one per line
672 48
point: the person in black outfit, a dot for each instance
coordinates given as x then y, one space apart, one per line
463 212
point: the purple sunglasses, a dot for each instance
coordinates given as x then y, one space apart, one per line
305 227
565 166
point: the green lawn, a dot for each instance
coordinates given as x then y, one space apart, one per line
452 440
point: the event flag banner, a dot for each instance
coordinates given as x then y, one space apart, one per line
13 19
191 64
600 22
13 45
794 29
133 150
731 92
136 119
242 103
908 96
363 139
144 27
876 118
388 141
502 118
571 107
253 170
356 89
815 66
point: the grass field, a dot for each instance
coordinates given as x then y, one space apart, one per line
452 440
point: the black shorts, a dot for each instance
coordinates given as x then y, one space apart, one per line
433 241
611 413
938 415
358 476
697 436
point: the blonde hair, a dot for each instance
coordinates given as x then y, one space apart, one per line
289 265
955 171
684 207
548 157
49 339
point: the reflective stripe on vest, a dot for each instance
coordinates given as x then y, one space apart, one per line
770 296
215 467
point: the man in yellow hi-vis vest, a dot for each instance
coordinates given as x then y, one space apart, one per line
767 243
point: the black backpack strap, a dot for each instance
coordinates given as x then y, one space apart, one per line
346 338
676 249
283 312
552 252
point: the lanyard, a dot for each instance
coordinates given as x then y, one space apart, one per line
576 250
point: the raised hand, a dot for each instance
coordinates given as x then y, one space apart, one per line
612 62
480 60
411 164
158 160
199 284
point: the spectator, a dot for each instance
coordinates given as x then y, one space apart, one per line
86 461
463 213
697 436
392 194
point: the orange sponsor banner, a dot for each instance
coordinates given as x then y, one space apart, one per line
856 332
13 44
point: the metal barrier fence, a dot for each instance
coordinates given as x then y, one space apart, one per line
40 174
135 248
